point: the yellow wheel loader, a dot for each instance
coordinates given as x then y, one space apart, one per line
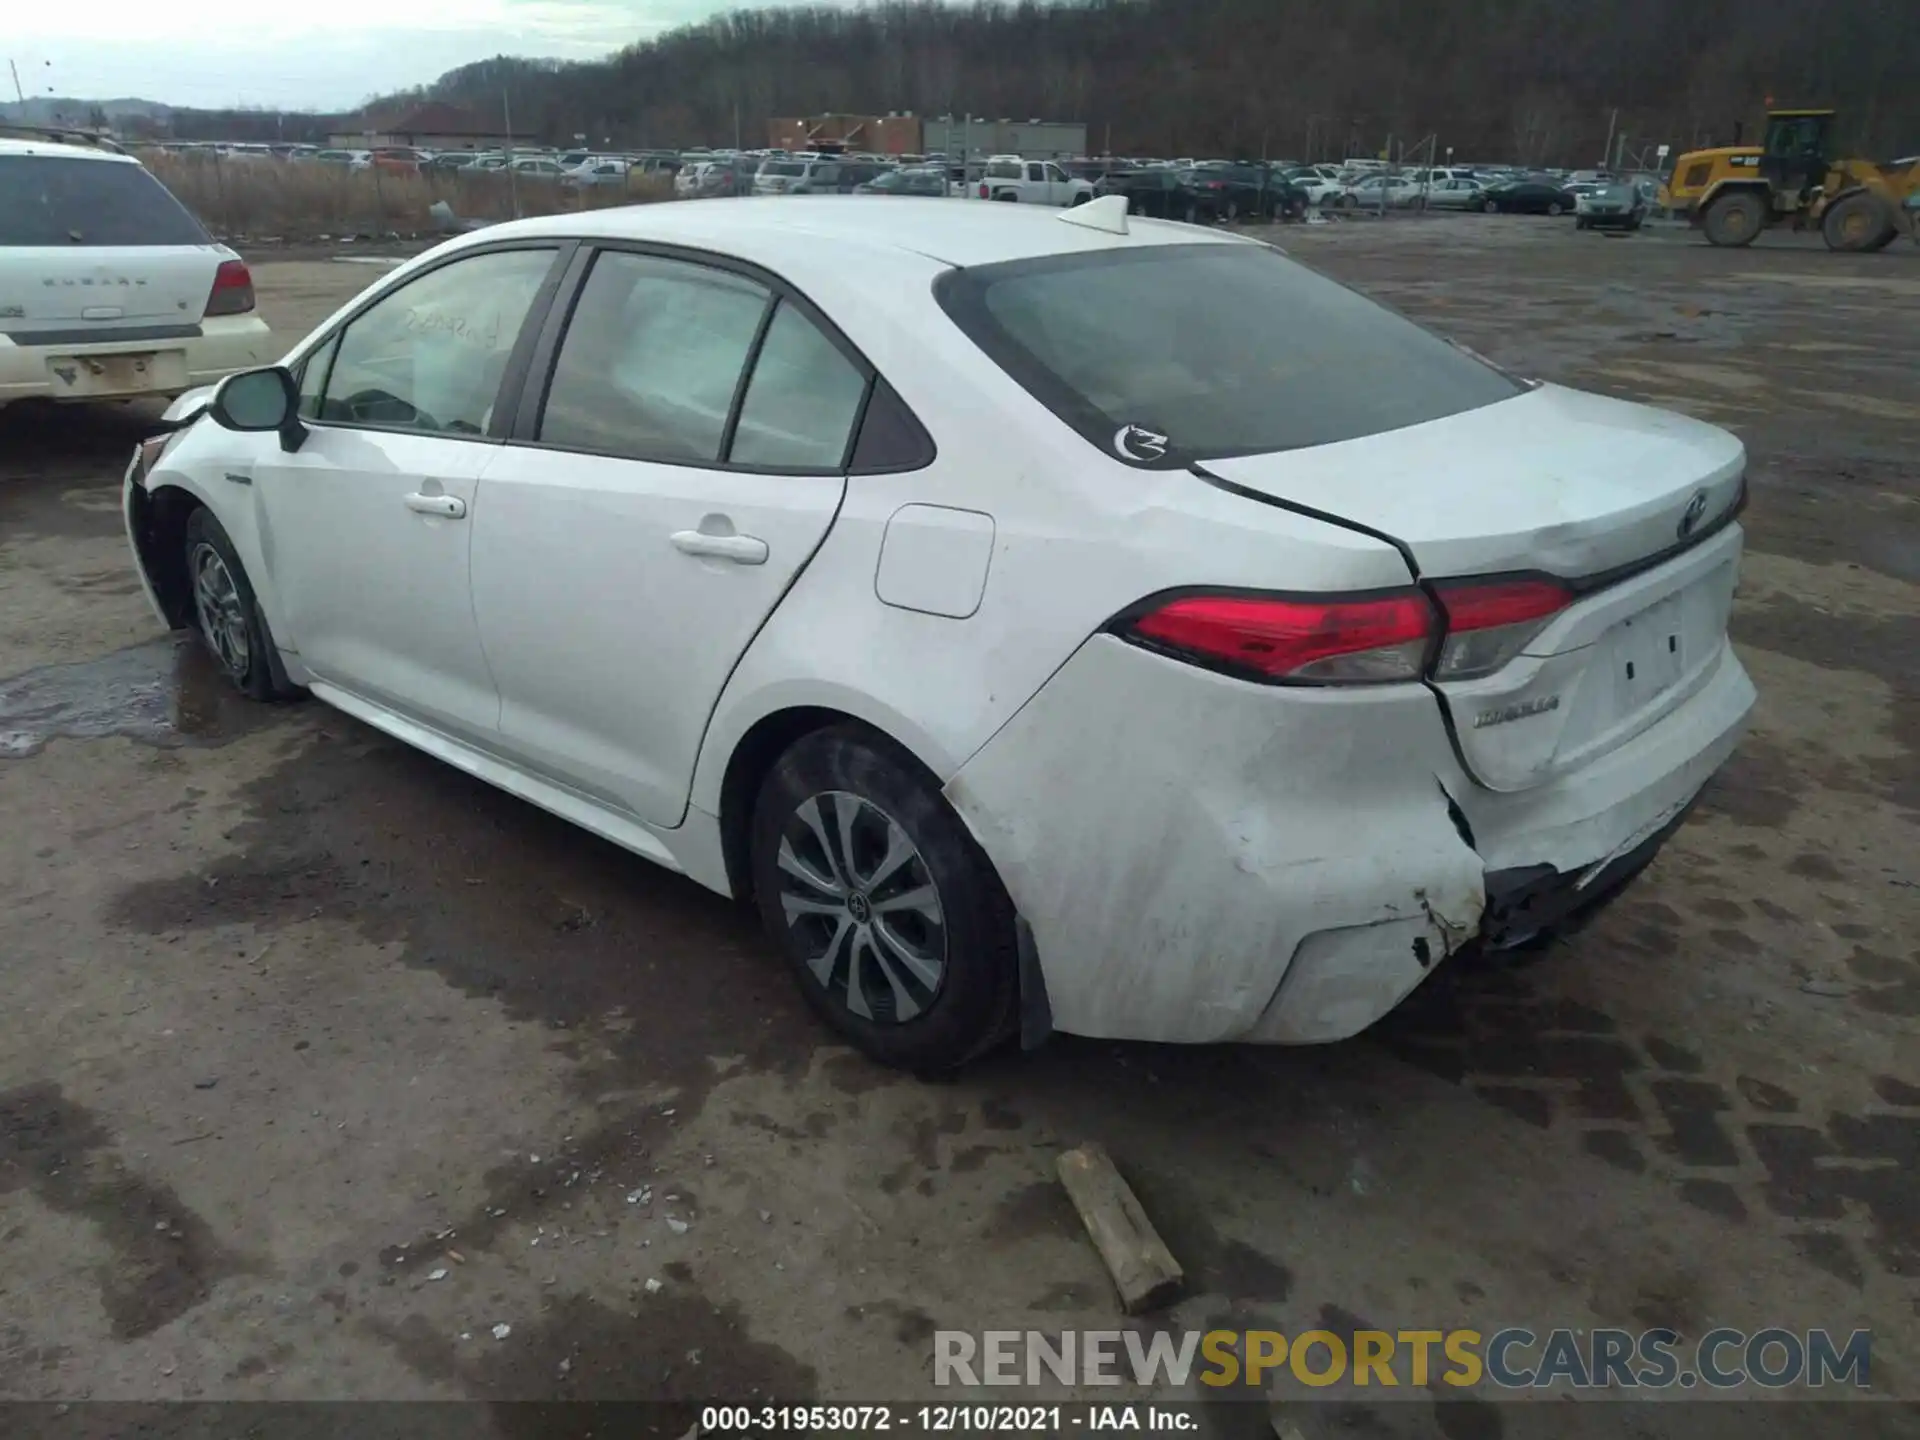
1734 193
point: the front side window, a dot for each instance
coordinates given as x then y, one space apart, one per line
1054 172
652 359
313 378
431 355
1224 349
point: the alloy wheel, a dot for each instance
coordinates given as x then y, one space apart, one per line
862 906
223 617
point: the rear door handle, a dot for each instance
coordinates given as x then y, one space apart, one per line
450 507
741 549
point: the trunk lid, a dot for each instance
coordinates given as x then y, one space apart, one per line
1553 480
1605 495
93 244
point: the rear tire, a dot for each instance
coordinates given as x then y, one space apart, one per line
896 927
227 615
1734 219
1490 207
1554 208
1856 223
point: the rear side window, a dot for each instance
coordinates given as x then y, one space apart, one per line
652 359
1223 349
802 400
55 201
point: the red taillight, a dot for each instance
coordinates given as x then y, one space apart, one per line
232 292
1490 621
983 192
1352 640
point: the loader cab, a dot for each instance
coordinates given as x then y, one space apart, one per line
1796 152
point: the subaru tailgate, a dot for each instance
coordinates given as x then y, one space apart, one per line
93 245
1611 523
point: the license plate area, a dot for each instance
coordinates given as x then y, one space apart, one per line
1649 652
129 373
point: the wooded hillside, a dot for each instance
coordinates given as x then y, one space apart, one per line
1534 81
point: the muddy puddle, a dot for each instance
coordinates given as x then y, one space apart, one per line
166 692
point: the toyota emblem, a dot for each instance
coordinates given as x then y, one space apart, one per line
1690 518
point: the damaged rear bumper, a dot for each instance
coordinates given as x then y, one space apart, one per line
1204 860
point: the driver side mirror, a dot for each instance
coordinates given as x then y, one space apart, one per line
260 400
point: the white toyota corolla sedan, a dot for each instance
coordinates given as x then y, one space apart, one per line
1048 621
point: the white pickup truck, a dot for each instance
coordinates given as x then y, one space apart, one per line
1031 182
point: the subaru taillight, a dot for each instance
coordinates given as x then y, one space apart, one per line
1377 638
1488 622
232 292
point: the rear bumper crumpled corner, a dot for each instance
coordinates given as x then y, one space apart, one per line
1204 860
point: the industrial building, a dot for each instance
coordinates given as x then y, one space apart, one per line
873 134
970 136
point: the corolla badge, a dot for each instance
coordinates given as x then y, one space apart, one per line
1139 444
1520 710
1690 518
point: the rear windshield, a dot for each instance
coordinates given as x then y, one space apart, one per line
1223 349
778 167
1004 170
51 200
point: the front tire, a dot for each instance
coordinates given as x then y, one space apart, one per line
1553 208
897 929
1490 207
1857 222
227 615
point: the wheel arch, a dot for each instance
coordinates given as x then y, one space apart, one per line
727 789
1730 186
159 531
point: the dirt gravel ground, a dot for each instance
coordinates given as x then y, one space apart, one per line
319 1060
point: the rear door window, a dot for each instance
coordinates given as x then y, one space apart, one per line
652 359
52 200
1223 349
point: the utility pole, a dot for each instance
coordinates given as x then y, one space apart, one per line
19 94
513 184
1613 120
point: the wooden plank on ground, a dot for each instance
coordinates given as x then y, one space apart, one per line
1143 1269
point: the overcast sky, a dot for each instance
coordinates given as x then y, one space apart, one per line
325 56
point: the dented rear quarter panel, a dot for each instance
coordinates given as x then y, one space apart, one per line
1173 836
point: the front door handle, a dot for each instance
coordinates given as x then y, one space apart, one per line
449 507
741 549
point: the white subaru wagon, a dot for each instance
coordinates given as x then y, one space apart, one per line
1048 622
109 288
